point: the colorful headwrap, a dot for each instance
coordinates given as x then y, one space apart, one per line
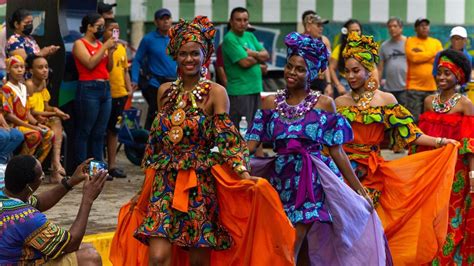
363 49
200 30
313 51
444 61
9 62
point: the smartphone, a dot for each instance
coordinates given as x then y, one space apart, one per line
115 34
95 166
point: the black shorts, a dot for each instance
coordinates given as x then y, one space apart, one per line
117 110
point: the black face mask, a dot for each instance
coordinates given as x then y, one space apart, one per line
28 29
99 33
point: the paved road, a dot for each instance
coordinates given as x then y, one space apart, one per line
103 217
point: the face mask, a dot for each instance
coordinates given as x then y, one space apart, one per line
98 34
28 29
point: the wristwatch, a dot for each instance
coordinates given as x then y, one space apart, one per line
66 185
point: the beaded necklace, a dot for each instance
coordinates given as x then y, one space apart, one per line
181 99
295 112
444 107
363 100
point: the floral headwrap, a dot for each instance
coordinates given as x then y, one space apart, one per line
444 61
363 49
200 30
313 51
9 62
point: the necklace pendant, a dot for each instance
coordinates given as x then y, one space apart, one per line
178 116
175 134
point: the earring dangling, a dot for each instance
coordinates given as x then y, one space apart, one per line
371 84
457 88
203 72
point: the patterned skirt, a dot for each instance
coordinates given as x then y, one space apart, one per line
198 228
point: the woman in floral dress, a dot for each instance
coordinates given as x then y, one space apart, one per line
201 200
450 114
410 194
300 123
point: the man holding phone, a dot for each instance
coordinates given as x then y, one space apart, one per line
120 89
30 238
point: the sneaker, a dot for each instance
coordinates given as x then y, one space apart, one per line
117 172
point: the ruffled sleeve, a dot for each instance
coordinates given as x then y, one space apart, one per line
401 123
467 134
336 129
259 131
230 143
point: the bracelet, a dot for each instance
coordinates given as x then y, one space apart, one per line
66 185
471 174
439 142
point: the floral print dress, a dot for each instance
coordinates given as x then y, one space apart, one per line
308 134
199 226
458 248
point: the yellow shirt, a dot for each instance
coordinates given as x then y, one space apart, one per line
420 64
117 75
36 101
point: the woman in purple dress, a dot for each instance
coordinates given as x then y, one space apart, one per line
307 135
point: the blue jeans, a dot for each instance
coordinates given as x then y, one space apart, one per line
93 105
9 141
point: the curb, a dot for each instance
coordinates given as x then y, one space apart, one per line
102 243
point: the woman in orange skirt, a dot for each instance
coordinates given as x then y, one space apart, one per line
196 201
410 194
448 113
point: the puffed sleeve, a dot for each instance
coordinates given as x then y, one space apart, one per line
336 129
230 143
401 123
258 131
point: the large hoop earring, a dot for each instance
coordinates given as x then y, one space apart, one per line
371 84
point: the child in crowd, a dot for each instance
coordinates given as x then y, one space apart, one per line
38 102
120 88
38 137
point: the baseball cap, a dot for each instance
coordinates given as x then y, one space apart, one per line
104 7
162 12
420 20
314 18
459 31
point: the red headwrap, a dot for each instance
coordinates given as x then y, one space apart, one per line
444 61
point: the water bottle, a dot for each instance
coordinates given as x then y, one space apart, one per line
243 126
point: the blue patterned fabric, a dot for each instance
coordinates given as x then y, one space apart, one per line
316 129
313 51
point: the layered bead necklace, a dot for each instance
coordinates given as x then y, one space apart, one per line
295 112
444 107
363 100
182 98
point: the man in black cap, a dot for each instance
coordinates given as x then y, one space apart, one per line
313 26
105 10
420 51
151 58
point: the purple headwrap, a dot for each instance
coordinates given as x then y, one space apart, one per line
313 51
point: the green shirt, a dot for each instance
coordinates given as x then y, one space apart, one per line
241 81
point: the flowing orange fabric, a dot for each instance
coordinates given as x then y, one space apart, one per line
186 180
415 191
125 249
251 212
414 203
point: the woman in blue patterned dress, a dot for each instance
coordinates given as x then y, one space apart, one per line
301 123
